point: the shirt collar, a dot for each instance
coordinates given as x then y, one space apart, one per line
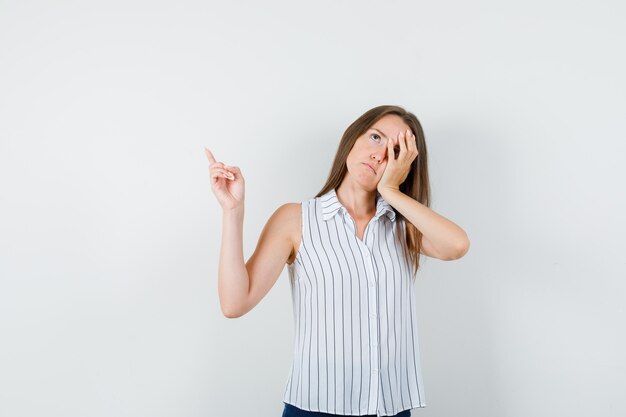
331 206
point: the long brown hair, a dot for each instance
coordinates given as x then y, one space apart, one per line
416 185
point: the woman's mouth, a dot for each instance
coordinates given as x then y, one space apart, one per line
370 167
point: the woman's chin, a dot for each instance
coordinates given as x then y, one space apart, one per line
368 182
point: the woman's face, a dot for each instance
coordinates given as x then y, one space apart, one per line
367 160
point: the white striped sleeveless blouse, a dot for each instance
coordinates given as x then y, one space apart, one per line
356 345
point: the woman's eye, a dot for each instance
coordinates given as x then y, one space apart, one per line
377 139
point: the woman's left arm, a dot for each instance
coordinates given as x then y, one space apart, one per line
442 238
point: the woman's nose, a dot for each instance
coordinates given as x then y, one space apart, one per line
379 155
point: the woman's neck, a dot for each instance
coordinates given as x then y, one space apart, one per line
359 202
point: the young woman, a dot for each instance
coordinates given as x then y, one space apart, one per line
352 253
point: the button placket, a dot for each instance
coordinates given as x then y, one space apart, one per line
372 321
374 344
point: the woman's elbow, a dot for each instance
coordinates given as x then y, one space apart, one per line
232 313
462 248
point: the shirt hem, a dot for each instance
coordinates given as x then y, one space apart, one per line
393 413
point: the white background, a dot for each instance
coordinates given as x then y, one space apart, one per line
109 232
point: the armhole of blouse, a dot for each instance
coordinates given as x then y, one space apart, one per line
301 236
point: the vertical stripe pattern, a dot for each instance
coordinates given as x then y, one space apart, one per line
356 350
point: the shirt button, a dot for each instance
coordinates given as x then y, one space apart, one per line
375 371
371 284
367 254
373 315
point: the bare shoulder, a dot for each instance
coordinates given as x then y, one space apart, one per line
290 214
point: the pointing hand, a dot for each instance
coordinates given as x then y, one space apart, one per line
227 183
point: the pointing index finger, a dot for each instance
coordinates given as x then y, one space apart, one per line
209 155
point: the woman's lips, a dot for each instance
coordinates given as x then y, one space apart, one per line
370 167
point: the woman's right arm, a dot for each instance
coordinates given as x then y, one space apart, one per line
233 280
241 286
